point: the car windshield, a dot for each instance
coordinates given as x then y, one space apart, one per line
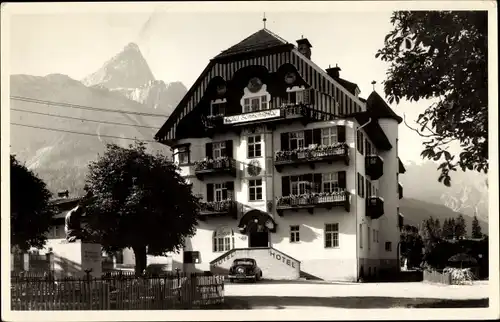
244 262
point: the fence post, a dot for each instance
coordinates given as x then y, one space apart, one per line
178 284
26 261
88 288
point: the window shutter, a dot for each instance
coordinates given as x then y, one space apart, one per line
210 192
224 194
208 151
285 145
309 178
229 148
308 137
342 179
341 133
230 185
317 136
317 182
285 186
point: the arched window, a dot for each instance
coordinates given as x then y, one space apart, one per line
223 239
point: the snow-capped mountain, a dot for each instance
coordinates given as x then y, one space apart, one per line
61 157
129 74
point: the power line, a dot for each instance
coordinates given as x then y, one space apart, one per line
83 107
82 119
82 133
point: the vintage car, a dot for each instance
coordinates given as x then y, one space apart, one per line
244 269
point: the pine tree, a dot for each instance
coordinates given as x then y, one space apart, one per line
460 227
453 226
447 229
476 229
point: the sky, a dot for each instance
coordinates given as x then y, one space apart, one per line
178 44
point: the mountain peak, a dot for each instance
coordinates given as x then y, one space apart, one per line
127 69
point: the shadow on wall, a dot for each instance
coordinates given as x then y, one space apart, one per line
66 267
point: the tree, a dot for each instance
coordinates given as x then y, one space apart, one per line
442 55
460 227
476 228
411 245
30 209
430 232
447 230
139 201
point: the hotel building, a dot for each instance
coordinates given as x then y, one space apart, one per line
293 167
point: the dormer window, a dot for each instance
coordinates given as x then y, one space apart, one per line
254 104
295 95
218 107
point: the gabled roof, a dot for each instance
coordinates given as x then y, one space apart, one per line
261 40
351 87
379 108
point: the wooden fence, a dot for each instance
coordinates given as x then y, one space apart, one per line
117 293
434 276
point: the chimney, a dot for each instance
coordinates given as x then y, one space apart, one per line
333 72
63 194
304 47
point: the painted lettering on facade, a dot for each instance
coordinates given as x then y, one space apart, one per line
282 258
223 259
262 115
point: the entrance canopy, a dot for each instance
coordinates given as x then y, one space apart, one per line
255 218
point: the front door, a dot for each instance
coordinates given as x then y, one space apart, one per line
258 239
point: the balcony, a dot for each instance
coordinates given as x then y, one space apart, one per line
312 155
400 190
374 166
374 207
220 166
226 207
310 201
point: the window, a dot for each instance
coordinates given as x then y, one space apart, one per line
254 146
331 235
218 108
299 185
183 155
330 182
220 191
295 97
329 136
360 235
368 188
368 147
360 142
192 257
255 189
296 140
374 239
361 185
223 240
219 149
388 246
254 104
294 234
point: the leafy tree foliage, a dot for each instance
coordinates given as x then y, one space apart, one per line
30 209
442 55
411 245
139 201
460 227
476 228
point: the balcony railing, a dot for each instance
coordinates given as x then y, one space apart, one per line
313 200
223 165
222 207
374 166
311 155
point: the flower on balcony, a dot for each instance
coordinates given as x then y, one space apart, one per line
222 205
208 163
215 116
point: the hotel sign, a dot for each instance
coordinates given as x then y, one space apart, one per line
255 116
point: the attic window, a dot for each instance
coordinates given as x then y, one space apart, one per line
254 104
295 95
218 107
